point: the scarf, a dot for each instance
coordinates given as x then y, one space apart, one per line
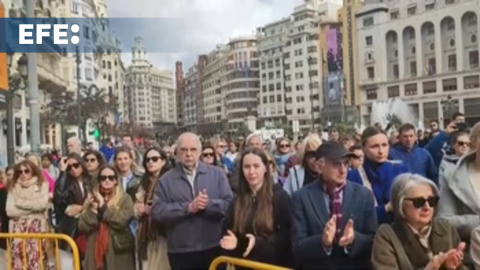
28 183
103 235
146 233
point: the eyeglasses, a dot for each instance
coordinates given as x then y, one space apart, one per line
207 154
461 143
154 159
26 171
73 166
339 163
284 145
420 201
110 178
91 160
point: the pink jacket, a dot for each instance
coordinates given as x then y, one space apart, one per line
50 181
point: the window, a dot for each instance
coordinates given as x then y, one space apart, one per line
452 62
449 84
432 66
395 71
74 7
394 15
412 10
371 73
413 68
471 82
88 74
369 40
371 94
368 22
411 89
86 34
393 91
473 59
430 6
279 86
429 87
449 2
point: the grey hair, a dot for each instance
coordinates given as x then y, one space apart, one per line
251 136
190 136
403 185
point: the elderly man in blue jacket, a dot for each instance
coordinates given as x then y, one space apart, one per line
416 159
191 201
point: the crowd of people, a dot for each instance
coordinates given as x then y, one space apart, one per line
406 199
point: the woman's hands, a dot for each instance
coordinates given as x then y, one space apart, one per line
230 242
452 259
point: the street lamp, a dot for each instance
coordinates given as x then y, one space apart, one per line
23 66
14 82
449 106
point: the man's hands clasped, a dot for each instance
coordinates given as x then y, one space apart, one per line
199 203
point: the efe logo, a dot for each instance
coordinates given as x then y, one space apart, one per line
60 33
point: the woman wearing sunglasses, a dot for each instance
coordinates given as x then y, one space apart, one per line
151 238
71 191
27 205
108 211
415 239
94 160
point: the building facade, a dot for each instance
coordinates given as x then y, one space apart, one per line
240 83
180 93
426 53
213 103
271 41
150 91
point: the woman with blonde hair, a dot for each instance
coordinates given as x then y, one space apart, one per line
108 211
305 172
27 205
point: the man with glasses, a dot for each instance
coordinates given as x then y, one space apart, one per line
334 220
191 200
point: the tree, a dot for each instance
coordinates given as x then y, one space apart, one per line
63 107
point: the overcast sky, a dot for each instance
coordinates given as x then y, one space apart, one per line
203 24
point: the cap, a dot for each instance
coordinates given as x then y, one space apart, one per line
332 151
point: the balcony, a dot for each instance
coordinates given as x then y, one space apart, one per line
49 73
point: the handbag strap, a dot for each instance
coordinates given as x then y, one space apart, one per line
398 247
366 182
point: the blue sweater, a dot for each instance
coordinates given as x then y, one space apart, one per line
436 145
381 177
417 160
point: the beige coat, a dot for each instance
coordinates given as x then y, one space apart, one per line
117 218
157 251
404 252
475 247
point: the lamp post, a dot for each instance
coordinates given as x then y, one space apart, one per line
78 61
15 80
449 106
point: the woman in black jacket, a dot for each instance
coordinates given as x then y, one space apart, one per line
258 221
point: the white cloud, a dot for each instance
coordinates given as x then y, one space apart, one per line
204 23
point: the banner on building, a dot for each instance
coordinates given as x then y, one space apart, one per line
334 49
333 93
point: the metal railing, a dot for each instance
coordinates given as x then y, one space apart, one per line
48 249
232 262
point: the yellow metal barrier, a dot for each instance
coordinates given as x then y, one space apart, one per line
43 239
243 263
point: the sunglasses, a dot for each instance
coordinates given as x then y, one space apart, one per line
356 156
420 201
154 159
284 145
73 166
91 160
460 143
207 154
110 178
26 171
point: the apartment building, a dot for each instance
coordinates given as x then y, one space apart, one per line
150 91
424 52
214 105
240 82
271 40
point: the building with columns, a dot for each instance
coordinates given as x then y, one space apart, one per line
422 52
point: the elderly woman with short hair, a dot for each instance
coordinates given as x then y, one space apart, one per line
416 240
